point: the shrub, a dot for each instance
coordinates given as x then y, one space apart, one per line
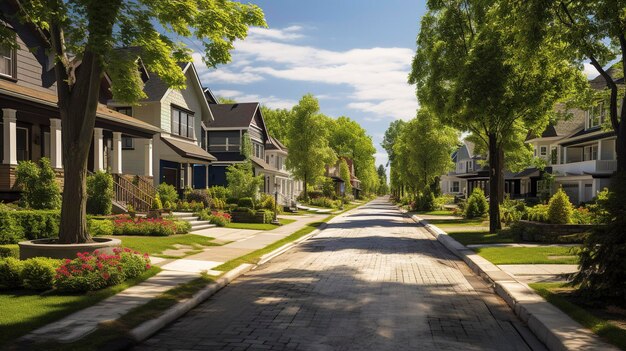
196 206
246 202
218 204
537 213
10 231
267 202
9 250
241 180
182 227
28 224
219 218
218 192
38 273
582 215
100 227
512 211
560 208
156 204
10 269
99 193
167 193
88 272
325 202
38 185
314 194
424 202
232 200
199 196
476 204
144 227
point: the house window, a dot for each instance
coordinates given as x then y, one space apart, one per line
8 64
224 141
590 152
182 122
126 110
128 143
454 188
543 151
21 139
596 115
553 155
258 150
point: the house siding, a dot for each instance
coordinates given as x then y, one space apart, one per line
30 71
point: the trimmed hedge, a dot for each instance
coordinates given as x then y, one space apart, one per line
38 273
9 250
10 269
246 215
21 225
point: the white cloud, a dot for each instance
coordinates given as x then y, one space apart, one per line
376 77
381 158
269 101
590 71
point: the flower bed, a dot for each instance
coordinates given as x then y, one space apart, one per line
218 218
145 227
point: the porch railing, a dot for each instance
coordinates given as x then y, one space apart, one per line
126 193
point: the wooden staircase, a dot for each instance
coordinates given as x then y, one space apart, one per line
138 194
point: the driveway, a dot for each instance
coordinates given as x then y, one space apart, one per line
373 280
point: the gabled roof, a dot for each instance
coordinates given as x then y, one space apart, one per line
599 82
233 115
275 144
210 98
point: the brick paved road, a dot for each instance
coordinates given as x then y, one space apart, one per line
372 280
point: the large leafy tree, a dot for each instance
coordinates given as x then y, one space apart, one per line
389 139
82 37
422 151
470 73
383 187
277 122
307 137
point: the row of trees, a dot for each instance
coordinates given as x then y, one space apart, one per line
496 69
315 140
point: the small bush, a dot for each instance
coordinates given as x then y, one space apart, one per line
512 211
424 202
182 227
560 208
40 190
167 193
219 218
9 250
232 200
168 206
156 204
218 204
441 201
10 269
99 193
325 202
477 205
267 202
199 196
28 224
10 231
100 227
537 213
246 202
314 194
218 192
38 273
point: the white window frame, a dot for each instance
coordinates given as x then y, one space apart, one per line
176 128
543 150
11 57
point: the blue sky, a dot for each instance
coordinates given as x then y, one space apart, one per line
353 55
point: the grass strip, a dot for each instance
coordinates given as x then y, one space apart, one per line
482 237
605 329
259 226
155 245
24 311
529 255
437 213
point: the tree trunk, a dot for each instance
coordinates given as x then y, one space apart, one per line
306 192
501 186
495 171
620 145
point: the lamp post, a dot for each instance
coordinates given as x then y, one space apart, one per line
275 220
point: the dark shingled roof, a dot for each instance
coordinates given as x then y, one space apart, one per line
233 115
155 87
599 82
274 144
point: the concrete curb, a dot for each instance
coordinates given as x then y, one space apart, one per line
148 328
551 326
279 251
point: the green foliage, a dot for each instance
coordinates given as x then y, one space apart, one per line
28 224
100 227
99 193
182 227
167 193
219 192
241 181
324 202
219 218
512 211
199 196
309 151
10 231
9 250
424 201
344 173
383 186
277 122
10 270
38 273
246 202
38 185
476 204
560 208
602 272
156 204
328 188
145 227
267 202
537 213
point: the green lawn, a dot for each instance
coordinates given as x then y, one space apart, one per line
482 237
529 255
259 226
437 213
460 225
557 294
24 311
155 245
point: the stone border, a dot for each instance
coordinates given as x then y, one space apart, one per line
551 326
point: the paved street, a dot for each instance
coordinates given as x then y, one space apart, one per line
372 280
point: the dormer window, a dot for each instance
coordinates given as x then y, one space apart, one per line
182 122
596 115
8 62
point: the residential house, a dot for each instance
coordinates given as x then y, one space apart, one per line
579 151
181 117
333 172
224 139
31 124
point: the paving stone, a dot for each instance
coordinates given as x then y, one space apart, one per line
372 280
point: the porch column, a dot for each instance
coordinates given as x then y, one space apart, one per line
56 146
206 174
9 118
581 192
117 153
599 150
147 158
594 187
98 150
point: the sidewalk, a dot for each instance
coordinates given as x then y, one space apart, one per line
175 272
